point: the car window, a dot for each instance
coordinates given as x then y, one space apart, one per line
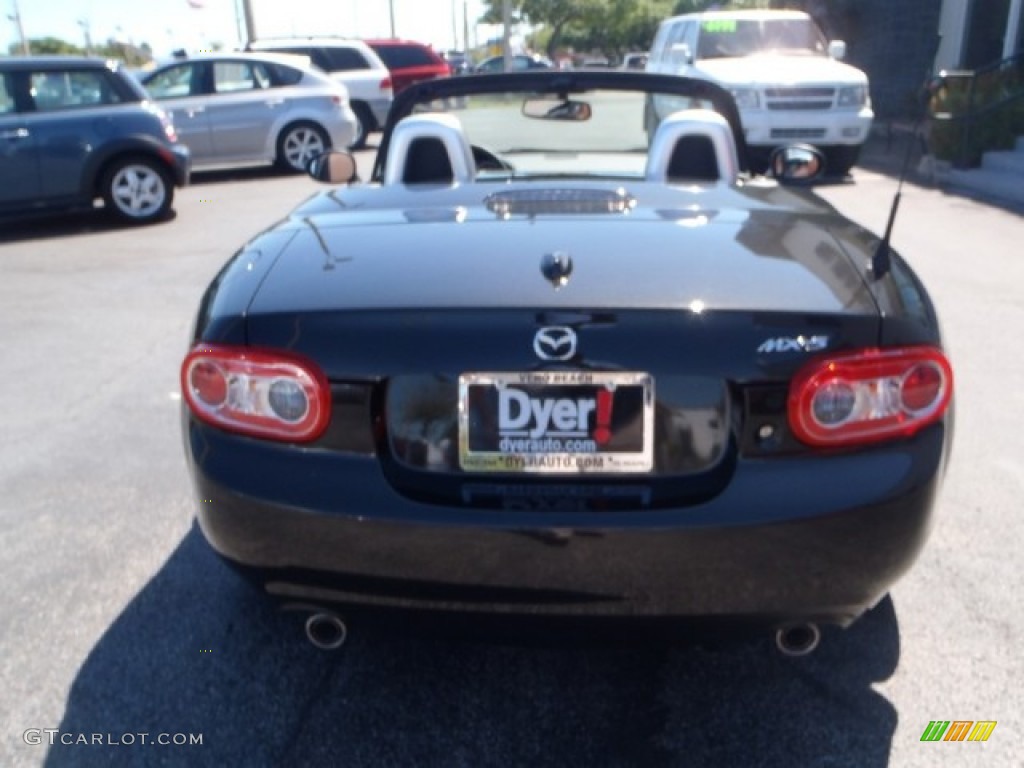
341 59
281 74
607 140
6 96
68 89
175 82
721 38
232 76
677 34
401 56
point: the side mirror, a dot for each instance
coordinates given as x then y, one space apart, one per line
837 49
796 164
334 167
681 52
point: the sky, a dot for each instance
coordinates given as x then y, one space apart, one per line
170 24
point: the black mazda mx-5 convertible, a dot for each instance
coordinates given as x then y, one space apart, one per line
563 357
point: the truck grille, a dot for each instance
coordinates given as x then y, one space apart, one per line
799 98
798 133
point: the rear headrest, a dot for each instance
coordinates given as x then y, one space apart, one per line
429 149
692 145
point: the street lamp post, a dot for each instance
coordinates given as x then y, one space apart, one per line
84 24
455 28
250 21
16 18
506 35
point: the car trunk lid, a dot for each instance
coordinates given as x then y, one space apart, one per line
437 314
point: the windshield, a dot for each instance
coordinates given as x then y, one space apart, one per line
598 132
585 124
728 38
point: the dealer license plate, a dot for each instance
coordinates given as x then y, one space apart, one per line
565 422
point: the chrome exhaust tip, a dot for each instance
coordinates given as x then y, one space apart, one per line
797 639
326 631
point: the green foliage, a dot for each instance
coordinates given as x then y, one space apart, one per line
997 103
48 46
609 26
617 26
131 55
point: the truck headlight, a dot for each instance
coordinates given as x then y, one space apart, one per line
746 98
853 96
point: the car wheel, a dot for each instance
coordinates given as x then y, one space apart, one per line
298 144
364 124
137 190
839 160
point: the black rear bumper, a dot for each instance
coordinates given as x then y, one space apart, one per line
796 539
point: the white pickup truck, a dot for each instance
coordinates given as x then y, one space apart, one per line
787 78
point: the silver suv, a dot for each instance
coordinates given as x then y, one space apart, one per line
351 62
75 130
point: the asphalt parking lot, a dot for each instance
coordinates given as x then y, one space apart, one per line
116 620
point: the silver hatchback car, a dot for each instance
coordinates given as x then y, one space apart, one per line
234 109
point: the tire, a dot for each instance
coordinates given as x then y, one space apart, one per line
839 160
298 144
364 124
137 190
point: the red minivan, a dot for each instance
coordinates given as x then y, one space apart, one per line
409 62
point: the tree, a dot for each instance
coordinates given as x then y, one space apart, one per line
554 14
132 55
619 26
48 46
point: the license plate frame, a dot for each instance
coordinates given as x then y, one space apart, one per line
515 422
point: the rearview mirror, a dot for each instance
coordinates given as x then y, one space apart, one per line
333 167
548 108
799 164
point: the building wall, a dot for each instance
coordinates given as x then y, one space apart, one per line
894 41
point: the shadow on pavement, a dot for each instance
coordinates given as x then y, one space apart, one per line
198 652
72 224
201 178
886 153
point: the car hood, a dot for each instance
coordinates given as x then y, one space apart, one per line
776 69
750 247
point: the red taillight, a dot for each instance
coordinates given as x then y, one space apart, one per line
263 393
386 84
870 395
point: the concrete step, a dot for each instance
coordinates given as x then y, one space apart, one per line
1004 187
1008 161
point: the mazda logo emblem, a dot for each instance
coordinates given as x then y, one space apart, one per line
555 343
